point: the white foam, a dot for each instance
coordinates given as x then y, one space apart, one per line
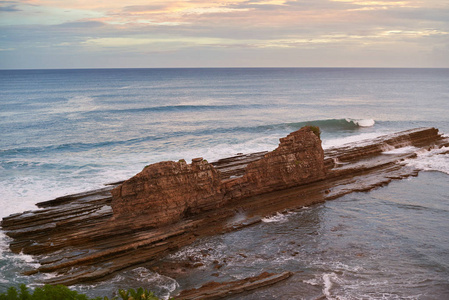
277 218
219 151
433 160
331 143
327 280
12 265
19 260
311 282
402 150
21 194
166 284
362 122
214 250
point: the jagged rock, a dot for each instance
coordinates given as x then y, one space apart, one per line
299 159
168 191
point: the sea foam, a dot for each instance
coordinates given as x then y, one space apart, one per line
433 160
362 122
276 218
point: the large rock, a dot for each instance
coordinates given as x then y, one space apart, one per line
298 159
168 191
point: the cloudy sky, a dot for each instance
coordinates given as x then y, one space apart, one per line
236 33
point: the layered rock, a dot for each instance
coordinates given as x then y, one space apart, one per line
215 290
80 239
168 191
299 159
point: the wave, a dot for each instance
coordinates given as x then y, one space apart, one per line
176 108
329 125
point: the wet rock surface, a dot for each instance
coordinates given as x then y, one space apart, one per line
216 290
86 237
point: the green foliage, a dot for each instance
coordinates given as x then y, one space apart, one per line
61 292
47 292
139 294
316 130
182 160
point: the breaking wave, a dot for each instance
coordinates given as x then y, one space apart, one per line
433 160
329 125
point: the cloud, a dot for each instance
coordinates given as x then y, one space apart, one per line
265 28
145 8
9 8
82 24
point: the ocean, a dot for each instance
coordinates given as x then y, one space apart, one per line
69 131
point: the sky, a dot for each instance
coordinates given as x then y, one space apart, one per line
41 34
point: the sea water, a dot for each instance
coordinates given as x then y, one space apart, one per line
68 131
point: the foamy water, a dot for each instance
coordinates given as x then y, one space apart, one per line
433 160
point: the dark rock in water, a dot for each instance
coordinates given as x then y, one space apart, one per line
169 205
215 290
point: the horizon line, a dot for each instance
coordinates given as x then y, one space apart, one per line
177 68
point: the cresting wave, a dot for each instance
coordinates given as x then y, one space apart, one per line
329 125
362 122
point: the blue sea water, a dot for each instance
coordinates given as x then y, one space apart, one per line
67 131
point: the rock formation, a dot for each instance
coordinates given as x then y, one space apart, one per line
215 290
168 191
299 159
81 239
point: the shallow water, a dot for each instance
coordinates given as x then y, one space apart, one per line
389 243
67 131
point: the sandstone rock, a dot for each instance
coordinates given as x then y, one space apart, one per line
221 290
299 159
168 191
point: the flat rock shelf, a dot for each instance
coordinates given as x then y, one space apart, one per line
78 238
